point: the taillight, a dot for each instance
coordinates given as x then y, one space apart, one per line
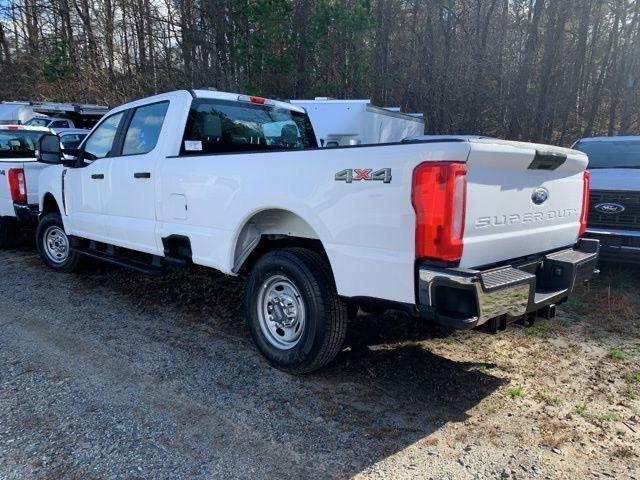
584 217
254 99
438 197
17 185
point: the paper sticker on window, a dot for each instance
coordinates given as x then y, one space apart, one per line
193 145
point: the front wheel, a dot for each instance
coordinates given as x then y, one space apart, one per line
54 246
293 312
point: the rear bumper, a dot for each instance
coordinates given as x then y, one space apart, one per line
26 213
466 299
617 245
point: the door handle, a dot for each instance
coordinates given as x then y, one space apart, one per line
142 175
98 176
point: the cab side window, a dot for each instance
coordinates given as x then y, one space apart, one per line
100 142
144 129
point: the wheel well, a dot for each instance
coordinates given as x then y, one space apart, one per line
271 229
268 243
49 204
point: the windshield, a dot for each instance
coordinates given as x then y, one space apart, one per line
614 154
219 126
38 122
18 143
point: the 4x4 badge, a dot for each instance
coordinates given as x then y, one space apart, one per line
356 174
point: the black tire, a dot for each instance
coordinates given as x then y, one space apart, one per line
325 315
65 263
8 232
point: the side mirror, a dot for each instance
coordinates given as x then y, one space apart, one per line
49 150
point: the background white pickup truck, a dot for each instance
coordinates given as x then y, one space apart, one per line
19 174
462 231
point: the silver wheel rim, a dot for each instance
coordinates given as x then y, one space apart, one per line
281 312
56 244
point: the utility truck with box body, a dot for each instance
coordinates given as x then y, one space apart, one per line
355 122
465 232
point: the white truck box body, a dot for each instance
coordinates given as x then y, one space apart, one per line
350 122
12 113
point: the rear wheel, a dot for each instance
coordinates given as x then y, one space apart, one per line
294 313
8 232
54 246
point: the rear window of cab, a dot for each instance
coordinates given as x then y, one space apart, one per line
222 126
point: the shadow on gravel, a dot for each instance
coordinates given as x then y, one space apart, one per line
383 393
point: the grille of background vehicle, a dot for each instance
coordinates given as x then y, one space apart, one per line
629 219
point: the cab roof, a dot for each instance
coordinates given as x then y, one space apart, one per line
239 97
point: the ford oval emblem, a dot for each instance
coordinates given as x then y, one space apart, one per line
540 195
609 207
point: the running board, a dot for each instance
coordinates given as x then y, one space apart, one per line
141 267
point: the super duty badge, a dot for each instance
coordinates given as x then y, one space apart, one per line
356 174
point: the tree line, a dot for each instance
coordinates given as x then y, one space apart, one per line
541 70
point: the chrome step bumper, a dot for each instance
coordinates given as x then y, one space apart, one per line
461 298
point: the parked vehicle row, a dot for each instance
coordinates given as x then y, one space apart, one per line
463 231
51 114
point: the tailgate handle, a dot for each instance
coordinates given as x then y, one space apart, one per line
547 160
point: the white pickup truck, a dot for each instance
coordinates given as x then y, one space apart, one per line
19 173
465 232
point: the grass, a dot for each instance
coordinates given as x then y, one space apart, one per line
581 409
541 326
610 301
631 395
617 354
514 392
553 400
607 417
637 377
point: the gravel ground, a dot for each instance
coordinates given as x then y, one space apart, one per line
110 374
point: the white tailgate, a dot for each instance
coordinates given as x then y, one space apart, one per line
32 171
502 221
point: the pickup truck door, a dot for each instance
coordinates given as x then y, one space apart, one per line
130 199
84 185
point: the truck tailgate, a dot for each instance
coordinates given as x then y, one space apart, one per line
507 215
31 170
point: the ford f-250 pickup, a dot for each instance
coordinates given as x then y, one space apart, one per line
462 231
